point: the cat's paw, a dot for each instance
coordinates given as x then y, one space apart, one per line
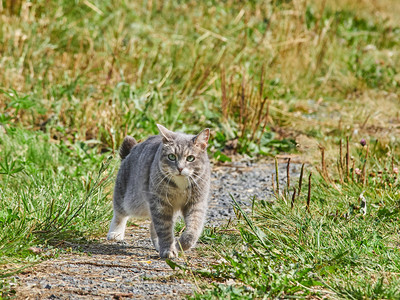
168 253
186 242
115 236
180 246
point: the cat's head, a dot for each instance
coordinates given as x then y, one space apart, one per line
182 154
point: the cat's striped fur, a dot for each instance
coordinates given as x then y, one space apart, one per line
160 178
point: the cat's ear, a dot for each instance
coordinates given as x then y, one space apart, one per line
167 135
201 139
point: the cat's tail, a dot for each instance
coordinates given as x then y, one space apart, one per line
126 147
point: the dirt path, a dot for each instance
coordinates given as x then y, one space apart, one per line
133 270
108 270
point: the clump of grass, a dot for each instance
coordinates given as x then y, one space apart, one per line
49 193
334 242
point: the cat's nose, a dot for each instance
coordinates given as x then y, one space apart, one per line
180 170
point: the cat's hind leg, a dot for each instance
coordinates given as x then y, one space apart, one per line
117 227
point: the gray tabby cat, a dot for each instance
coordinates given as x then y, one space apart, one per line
165 175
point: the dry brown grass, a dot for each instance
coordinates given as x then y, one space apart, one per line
99 70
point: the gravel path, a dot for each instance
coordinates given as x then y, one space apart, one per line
133 270
243 181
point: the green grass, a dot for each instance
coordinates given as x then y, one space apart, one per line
49 193
281 76
334 249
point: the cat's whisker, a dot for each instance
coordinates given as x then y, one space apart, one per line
197 177
161 177
166 190
196 184
190 188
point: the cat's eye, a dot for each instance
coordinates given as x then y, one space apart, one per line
172 157
190 158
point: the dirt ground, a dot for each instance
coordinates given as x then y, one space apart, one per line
109 270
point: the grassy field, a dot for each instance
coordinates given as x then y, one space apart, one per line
342 241
266 77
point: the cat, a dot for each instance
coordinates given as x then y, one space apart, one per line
161 178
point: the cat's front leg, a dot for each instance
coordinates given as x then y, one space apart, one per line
194 216
154 237
163 221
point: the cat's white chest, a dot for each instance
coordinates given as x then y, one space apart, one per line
180 192
181 182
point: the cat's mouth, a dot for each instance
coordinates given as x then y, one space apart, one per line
182 173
